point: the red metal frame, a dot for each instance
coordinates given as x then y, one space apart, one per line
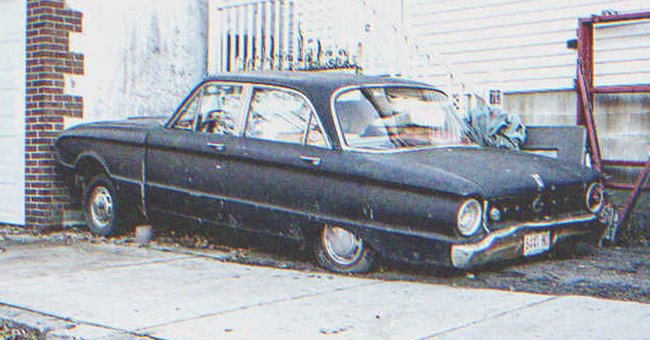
625 186
586 91
585 83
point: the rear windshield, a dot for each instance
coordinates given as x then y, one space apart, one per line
385 118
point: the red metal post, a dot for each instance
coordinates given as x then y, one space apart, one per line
588 117
634 195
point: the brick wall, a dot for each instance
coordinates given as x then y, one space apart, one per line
49 24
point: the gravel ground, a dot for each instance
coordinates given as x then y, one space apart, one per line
612 273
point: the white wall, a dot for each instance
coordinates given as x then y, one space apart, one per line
12 111
521 45
141 57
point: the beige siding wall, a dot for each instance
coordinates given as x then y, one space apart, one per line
520 45
622 53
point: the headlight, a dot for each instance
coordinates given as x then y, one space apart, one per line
594 198
470 216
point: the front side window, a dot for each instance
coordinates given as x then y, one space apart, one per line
186 117
220 111
385 118
283 116
214 108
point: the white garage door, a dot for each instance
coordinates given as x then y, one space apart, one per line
12 111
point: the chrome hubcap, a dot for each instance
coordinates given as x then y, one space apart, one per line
341 245
101 207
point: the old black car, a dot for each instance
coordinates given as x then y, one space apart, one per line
356 166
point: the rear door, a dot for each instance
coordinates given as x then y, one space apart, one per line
276 186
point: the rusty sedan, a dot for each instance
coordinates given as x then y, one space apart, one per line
356 167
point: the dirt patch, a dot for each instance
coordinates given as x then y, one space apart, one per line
611 273
637 230
10 331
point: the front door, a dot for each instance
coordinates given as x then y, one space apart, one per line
189 162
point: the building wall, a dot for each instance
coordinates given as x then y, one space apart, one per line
522 45
48 61
142 57
521 48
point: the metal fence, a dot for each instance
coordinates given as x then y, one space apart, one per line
255 35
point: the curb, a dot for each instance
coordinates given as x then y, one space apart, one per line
50 327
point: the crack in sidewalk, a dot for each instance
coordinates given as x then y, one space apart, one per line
488 318
76 322
260 304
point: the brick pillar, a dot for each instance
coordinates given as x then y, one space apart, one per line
49 24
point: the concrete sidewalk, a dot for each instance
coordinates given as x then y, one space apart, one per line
112 292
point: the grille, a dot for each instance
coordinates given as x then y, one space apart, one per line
541 206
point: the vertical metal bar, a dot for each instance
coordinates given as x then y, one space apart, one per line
250 17
267 35
585 86
581 57
277 52
586 62
232 49
589 61
240 38
286 20
590 123
294 34
258 36
224 40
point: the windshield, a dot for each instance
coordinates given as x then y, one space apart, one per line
385 118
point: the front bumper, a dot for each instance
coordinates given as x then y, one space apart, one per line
507 243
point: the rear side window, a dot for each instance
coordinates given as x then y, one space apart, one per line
283 116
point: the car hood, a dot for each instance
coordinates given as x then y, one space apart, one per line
140 122
496 173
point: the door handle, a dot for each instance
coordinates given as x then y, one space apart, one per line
217 146
315 161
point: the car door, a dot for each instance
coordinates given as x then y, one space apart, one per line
275 188
189 161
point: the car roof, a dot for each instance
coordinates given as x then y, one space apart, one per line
304 79
318 87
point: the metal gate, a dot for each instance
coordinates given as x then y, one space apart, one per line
257 35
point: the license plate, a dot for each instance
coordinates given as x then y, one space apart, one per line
537 243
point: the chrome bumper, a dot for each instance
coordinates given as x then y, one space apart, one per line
507 243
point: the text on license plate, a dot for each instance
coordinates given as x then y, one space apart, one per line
537 243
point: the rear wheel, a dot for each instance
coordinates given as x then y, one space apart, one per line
101 207
342 251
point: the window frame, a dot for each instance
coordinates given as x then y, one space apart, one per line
181 109
245 97
314 113
337 124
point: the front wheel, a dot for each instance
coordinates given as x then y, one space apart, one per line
342 251
101 207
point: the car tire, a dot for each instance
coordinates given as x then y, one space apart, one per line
343 251
101 207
